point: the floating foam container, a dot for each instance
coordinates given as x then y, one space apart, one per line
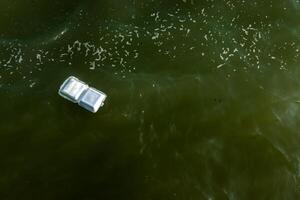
79 92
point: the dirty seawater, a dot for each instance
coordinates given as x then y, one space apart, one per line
203 100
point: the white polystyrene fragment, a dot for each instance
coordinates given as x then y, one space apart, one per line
79 92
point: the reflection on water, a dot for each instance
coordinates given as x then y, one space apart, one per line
26 19
203 100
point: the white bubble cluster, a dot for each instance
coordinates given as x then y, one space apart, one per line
219 35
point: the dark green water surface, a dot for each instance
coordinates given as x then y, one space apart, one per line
203 100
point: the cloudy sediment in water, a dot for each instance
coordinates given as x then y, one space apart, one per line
203 100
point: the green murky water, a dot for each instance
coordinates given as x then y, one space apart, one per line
203 99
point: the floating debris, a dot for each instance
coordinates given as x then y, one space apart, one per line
79 92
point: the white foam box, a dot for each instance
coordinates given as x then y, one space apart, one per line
79 92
